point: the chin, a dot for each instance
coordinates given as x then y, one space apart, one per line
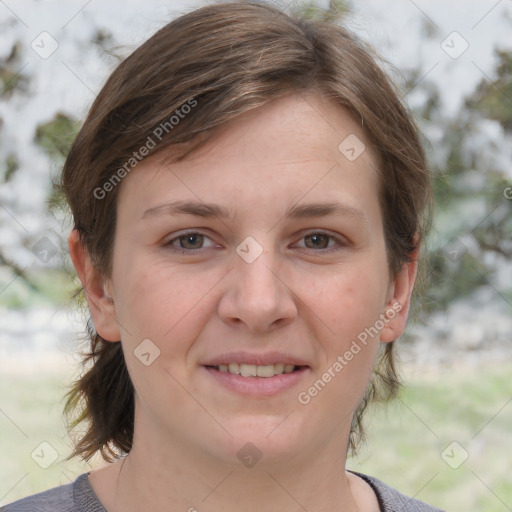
267 438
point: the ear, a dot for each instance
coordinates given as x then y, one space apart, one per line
398 305
97 290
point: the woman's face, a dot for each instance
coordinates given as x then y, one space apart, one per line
274 282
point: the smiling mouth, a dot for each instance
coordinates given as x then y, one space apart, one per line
252 370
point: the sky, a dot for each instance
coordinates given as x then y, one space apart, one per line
451 42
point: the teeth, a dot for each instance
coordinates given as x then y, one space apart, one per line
252 370
248 370
278 368
268 370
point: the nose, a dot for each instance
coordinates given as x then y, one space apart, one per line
257 295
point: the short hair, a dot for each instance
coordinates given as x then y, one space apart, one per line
223 60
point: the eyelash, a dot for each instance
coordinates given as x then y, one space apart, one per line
340 242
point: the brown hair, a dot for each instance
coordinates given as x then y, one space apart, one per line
226 59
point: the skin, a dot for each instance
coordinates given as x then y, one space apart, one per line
295 297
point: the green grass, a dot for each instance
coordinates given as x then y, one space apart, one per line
472 407
30 413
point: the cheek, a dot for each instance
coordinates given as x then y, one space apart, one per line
165 303
350 301
168 306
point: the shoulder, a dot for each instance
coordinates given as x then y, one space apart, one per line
57 499
74 497
391 500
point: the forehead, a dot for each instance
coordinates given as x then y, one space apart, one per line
298 146
298 125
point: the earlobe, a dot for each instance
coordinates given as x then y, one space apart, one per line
99 300
398 305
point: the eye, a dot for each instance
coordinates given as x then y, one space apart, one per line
193 241
320 241
188 242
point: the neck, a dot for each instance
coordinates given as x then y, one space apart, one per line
155 475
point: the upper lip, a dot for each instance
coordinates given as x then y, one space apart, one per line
263 359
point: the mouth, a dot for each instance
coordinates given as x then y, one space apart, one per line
251 370
257 380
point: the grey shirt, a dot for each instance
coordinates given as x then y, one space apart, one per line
80 497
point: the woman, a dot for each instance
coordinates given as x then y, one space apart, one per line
249 200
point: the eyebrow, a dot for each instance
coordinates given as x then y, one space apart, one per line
297 211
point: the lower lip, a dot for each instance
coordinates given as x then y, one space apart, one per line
257 386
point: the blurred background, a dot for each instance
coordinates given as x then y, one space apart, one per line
447 440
